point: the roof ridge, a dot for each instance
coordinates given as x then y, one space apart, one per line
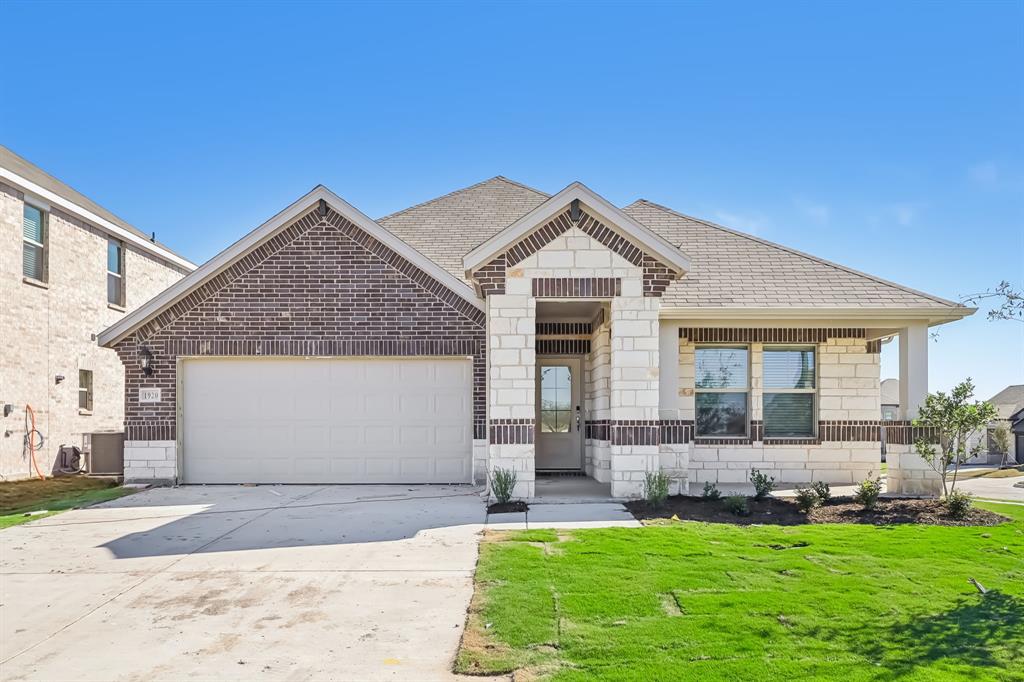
459 191
796 252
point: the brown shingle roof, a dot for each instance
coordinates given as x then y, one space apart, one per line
729 269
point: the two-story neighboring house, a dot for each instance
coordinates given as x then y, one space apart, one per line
68 269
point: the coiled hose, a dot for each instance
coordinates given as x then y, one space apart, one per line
33 439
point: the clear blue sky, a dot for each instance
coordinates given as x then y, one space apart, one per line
886 136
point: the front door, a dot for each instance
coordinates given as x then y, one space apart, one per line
559 418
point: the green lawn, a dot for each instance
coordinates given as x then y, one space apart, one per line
52 496
695 601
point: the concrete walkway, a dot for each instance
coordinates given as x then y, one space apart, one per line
227 582
994 488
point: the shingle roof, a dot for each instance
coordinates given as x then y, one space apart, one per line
729 269
37 175
447 228
732 269
1009 400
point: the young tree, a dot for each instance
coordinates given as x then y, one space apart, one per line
1001 442
953 418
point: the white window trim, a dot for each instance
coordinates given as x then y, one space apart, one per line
745 391
121 295
88 390
44 217
765 390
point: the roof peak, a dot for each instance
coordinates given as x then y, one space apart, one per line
428 202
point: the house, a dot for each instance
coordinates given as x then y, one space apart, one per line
1017 433
69 269
1009 402
890 399
499 326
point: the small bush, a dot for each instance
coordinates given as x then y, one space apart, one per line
822 490
763 484
959 503
807 499
656 488
503 482
737 504
711 491
868 491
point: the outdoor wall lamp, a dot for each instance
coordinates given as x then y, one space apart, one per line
146 361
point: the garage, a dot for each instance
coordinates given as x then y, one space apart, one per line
326 420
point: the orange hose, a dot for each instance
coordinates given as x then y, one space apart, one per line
31 446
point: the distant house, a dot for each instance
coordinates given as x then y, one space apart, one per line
1017 430
1009 403
890 391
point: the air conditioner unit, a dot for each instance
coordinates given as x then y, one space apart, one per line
105 451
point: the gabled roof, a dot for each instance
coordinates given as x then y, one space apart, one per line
593 204
447 228
267 230
736 270
29 177
1008 401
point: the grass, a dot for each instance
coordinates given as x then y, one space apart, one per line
52 496
700 601
1011 472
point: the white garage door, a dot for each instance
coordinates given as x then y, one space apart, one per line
329 420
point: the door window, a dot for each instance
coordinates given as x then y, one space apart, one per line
555 399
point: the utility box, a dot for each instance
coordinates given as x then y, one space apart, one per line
105 452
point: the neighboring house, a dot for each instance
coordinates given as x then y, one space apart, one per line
1017 434
1008 402
499 326
69 268
890 396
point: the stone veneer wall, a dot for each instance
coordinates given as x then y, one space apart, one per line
846 449
597 403
48 330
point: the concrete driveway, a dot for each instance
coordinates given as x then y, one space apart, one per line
222 582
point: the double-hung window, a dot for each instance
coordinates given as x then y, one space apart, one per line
723 391
85 389
789 392
115 272
33 245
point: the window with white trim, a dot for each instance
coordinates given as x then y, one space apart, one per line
722 391
790 389
85 389
115 272
33 245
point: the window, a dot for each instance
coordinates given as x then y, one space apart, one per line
555 399
890 412
115 272
723 387
33 255
85 389
789 388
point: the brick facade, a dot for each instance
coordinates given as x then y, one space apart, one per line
320 286
49 330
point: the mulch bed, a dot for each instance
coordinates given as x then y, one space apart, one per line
507 507
784 512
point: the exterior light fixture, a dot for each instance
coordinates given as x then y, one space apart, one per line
146 361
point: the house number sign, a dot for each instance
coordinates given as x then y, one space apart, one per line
149 395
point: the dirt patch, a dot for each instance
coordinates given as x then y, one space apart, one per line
783 512
507 507
16 496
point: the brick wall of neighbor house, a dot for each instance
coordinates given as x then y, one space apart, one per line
50 331
319 287
846 448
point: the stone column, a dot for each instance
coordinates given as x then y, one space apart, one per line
635 392
908 473
511 370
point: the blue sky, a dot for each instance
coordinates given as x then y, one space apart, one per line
886 136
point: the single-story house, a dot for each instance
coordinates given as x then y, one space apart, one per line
499 326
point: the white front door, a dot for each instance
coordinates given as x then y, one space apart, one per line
559 437
327 420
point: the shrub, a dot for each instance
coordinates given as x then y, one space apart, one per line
737 504
503 482
763 484
959 503
656 488
867 492
822 490
711 491
807 499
